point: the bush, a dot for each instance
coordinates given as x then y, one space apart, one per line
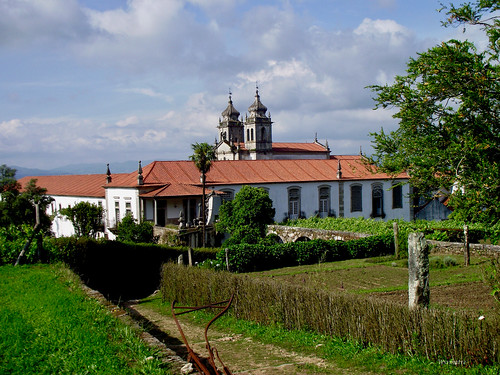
258 257
129 230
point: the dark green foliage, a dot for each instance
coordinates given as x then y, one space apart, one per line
13 239
118 270
17 206
129 230
258 257
86 218
448 106
433 229
434 334
246 217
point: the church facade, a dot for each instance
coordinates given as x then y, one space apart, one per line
302 179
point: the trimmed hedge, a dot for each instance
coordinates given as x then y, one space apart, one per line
259 257
434 334
119 270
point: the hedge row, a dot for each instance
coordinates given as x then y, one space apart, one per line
433 229
259 257
435 334
118 270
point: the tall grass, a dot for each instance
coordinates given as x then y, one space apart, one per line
434 334
48 326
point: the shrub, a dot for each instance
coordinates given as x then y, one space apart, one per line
258 257
129 230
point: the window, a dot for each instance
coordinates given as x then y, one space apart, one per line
128 208
397 196
356 198
251 133
228 195
262 134
377 201
293 203
324 201
117 212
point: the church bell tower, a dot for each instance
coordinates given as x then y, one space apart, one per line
258 130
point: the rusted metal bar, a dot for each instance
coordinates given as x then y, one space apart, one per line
209 368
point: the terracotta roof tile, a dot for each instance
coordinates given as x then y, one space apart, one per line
182 178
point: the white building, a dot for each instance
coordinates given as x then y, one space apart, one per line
302 179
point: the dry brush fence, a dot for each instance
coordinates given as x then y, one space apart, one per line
435 334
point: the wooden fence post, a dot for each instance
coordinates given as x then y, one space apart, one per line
396 241
190 256
466 245
227 258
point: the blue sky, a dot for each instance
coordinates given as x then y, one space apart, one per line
93 81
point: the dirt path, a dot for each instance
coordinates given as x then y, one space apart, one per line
241 355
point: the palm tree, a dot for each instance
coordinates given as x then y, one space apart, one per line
203 156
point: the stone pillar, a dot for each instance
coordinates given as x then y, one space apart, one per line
418 271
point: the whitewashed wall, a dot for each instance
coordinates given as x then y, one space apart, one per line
61 226
122 196
309 198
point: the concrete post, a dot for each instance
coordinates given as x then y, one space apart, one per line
466 246
418 271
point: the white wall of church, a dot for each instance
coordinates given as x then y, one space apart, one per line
120 202
309 198
61 226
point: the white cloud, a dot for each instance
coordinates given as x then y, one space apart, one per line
132 120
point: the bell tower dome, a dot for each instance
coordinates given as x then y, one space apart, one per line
258 130
230 127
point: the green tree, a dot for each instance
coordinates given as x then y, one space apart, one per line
246 217
86 218
129 230
17 206
448 110
7 179
202 157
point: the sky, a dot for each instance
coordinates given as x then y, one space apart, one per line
93 81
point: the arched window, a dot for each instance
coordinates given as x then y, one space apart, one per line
356 198
397 196
228 195
248 135
377 201
294 203
262 134
324 201
251 133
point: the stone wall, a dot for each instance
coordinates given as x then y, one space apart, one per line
457 248
292 234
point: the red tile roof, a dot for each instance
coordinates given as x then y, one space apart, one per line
182 178
89 185
298 147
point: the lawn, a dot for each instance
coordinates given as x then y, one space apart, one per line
49 326
454 286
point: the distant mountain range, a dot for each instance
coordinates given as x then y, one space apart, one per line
95 168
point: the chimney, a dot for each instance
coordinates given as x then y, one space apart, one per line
108 175
339 170
140 180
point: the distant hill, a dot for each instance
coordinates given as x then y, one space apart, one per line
92 168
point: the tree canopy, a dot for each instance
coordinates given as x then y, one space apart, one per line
17 205
129 230
86 218
448 106
246 217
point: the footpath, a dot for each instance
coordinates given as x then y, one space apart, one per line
240 354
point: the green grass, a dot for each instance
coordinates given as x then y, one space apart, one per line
353 357
381 274
49 326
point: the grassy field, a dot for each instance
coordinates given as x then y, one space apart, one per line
454 286
49 326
